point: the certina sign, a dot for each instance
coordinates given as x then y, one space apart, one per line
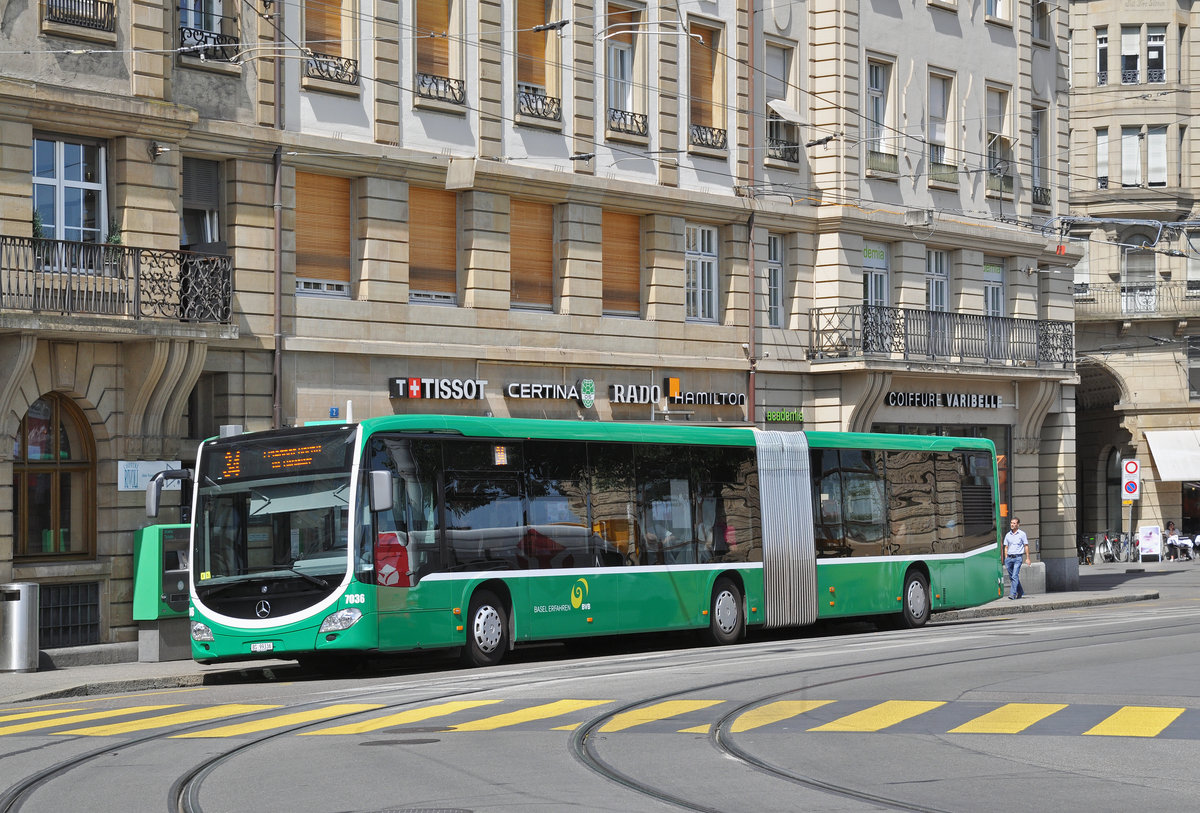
953 400
583 392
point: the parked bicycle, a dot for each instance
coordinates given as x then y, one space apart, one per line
1085 547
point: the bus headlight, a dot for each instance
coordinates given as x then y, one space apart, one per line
341 620
201 632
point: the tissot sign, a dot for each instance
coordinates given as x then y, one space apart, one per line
953 400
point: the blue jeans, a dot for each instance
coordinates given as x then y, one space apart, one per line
1012 566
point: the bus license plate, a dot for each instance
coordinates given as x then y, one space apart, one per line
262 646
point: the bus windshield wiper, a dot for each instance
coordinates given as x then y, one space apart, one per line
324 585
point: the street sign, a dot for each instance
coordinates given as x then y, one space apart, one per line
1131 480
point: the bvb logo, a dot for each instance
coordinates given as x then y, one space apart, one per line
587 393
579 592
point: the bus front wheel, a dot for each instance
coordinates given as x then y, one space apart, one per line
487 630
915 600
725 619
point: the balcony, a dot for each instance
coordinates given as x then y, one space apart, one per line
783 150
623 121
340 69
1101 78
946 174
207 45
1131 77
1135 300
700 135
532 101
1001 183
1041 195
441 88
89 279
95 14
1156 76
901 334
882 162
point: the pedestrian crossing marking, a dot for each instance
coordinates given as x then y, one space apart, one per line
79 718
1011 718
1136 721
29 714
881 716
542 712
774 713
658 711
402 718
281 721
164 720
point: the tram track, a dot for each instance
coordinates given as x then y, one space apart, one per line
185 791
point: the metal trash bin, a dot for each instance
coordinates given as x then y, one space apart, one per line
19 627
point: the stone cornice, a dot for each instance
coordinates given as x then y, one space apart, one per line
104 115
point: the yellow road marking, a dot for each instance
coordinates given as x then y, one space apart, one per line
79 718
165 720
528 715
282 720
28 714
774 712
659 711
699 729
1136 721
881 716
400 718
1010 718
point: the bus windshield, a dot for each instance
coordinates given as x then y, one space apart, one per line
255 530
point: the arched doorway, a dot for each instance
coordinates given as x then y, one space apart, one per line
54 482
1100 441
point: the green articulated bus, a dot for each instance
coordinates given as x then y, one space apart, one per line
415 532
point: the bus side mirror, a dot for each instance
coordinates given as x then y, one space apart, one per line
155 486
380 491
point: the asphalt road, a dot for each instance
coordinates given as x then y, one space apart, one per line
1090 708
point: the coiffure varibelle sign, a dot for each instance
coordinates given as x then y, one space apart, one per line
933 400
582 392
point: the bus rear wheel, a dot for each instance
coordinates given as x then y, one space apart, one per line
726 623
487 630
916 604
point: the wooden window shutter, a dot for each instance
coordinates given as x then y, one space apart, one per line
323 227
432 241
622 259
323 26
701 76
531 45
433 37
531 253
621 22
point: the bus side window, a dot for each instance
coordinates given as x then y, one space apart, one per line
828 533
613 516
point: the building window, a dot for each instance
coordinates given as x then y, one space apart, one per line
941 170
937 280
54 477
439 76
775 283
205 32
700 264
531 252
878 93
876 277
1131 49
999 141
69 200
199 221
1102 158
1041 20
322 234
996 9
1131 156
621 45
1139 294
1156 156
622 264
1101 56
98 15
432 246
329 39
538 94
1156 43
705 88
783 135
1039 175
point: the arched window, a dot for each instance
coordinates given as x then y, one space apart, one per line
54 476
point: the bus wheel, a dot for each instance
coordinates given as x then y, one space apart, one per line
916 600
725 620
487 631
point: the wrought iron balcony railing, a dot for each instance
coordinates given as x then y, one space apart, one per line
872 331
1126 300
331 68
1041 195
441 88
783 150
1156 75
943 173
624 121
701 135
95 14
882 161
539 105
69 278
1101 78
207 45
1131 77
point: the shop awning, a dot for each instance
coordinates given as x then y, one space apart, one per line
1176 453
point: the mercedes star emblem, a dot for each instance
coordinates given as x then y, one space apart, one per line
262 609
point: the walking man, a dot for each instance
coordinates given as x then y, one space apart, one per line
1016 551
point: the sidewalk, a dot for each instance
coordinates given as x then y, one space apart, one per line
106 669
